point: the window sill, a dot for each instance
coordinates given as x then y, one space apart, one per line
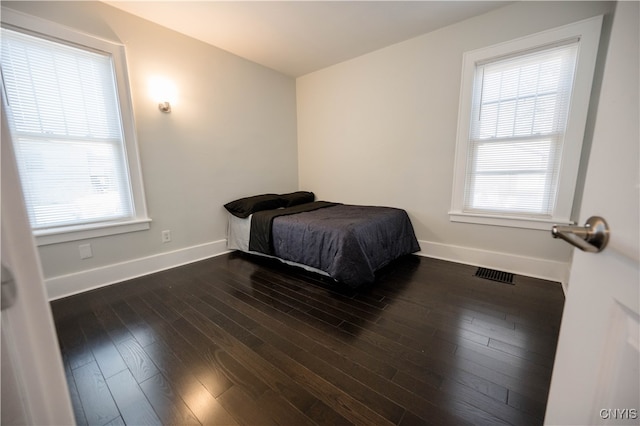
507 221
94 230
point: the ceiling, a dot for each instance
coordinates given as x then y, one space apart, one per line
299 37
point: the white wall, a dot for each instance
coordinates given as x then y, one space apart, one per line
232 133
381 129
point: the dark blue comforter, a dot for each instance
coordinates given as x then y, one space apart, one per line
348 242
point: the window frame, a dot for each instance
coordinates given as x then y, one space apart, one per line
139 221
588 32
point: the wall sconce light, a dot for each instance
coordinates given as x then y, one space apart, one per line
163 91
164 106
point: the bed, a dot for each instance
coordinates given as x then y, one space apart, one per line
348 243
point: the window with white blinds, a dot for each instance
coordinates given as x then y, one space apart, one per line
65 114
67 133
520 127
519 117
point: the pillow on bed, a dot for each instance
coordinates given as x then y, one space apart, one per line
244 207
299 197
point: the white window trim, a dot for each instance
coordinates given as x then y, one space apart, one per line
588 31
140 221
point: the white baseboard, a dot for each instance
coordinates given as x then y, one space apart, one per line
521 265
67 285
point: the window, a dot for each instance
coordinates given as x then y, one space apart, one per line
67 106
521 124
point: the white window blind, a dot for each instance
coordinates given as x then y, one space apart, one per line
67 131
518 120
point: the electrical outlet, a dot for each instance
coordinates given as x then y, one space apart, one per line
85 251
166 236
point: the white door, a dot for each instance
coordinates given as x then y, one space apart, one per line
596 377
34 389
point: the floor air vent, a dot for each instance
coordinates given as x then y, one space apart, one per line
493 275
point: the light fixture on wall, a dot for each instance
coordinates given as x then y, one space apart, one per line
163 91
164 106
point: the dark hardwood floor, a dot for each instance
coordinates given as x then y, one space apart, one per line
241 340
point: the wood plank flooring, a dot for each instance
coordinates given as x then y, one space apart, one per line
243 340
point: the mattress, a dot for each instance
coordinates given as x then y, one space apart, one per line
238 232
346 242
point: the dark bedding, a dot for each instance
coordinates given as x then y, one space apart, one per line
348 242
260 238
